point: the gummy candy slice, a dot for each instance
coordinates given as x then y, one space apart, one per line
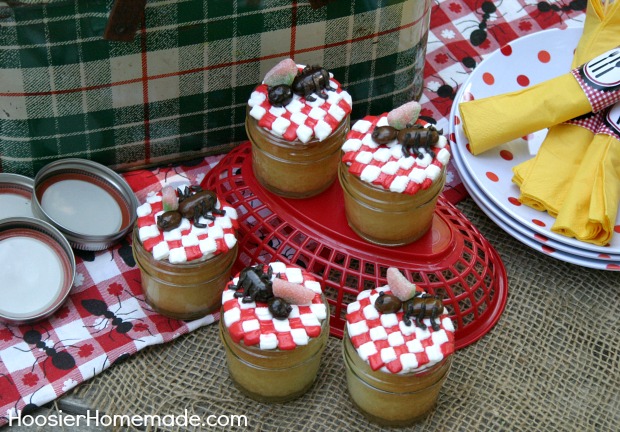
404 115
170 201
291 292
399 285
282 73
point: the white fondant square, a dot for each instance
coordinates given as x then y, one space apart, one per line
370 173
378 333
282 325
388 354
250 325
389 320
371 312
177 255
366 350
399 184
396 339
364 157
356 329
361 126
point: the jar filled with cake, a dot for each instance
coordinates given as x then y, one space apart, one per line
392 171
297 121
274 329
397 349
185 244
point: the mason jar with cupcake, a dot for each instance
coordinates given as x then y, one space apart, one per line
297 121
397 349
185 243
392 171
274 329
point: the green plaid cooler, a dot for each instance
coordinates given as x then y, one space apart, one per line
179 89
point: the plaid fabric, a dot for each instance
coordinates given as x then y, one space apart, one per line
181 87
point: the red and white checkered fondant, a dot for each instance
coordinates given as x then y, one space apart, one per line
186 242
301 119
388 344
385 166
253 324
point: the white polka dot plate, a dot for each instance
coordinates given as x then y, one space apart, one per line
525 61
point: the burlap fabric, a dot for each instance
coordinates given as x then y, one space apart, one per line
550 364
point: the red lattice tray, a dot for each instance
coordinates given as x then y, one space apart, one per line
452 260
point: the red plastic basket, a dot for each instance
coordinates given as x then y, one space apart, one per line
452 260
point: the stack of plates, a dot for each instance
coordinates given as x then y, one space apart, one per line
488 177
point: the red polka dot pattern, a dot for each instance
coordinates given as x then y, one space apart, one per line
514 201
538 222
506 155
492 176
488 78
544 56
548 249
523 81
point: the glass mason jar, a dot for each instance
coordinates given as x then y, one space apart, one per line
294 169
274 375
384 217
183 291
392 399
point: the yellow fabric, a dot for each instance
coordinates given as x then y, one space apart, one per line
563 150
591 205
491 121
585 206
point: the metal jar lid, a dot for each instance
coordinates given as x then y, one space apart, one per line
91 205
15 195
37 270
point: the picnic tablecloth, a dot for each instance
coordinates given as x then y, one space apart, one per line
40 362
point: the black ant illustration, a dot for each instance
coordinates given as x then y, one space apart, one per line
60 359
100 308
125 252
553 10
480 34
446 93
467 61
573 6
467 58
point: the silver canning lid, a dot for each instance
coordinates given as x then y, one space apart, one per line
15 195
89 203
37 269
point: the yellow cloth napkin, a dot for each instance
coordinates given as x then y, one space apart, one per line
591 204
495 120
560 153
565 144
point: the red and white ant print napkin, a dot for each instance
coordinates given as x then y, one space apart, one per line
104 320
